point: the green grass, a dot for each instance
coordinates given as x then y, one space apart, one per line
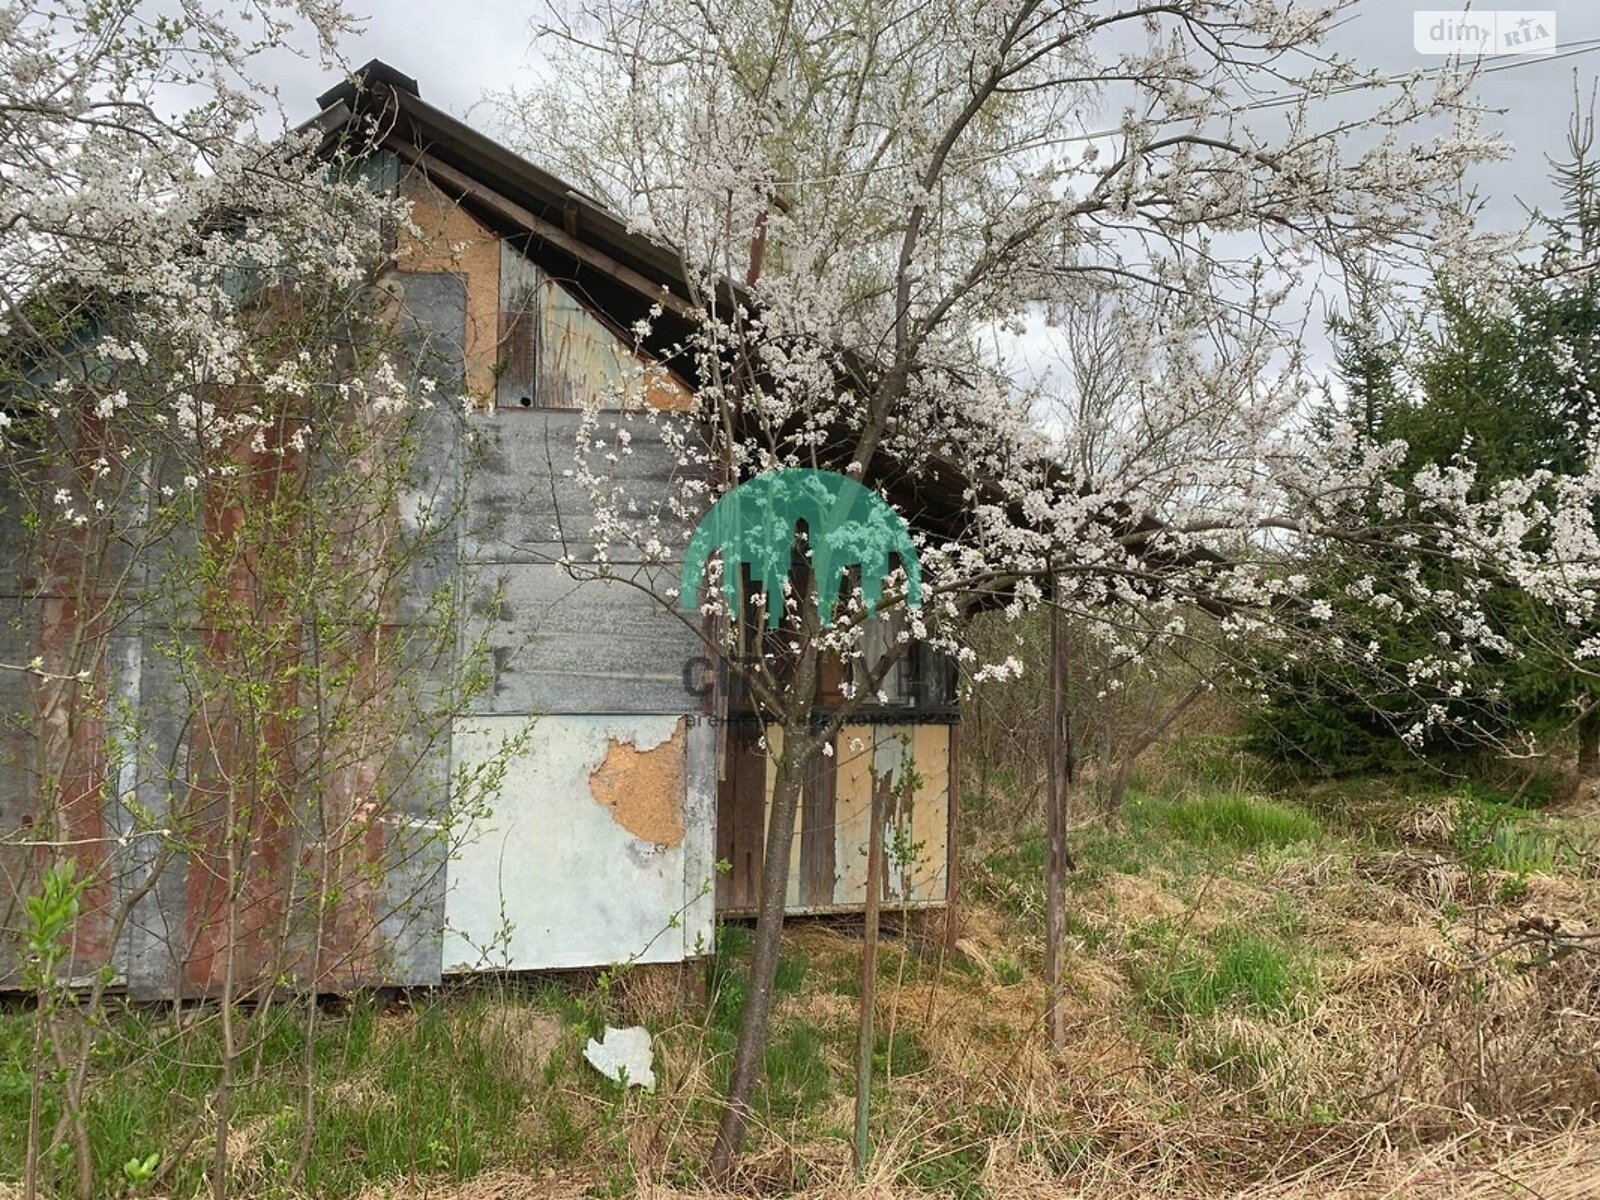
795 1073
1229 820
1494 834
1184 835
432 1096
1181 975
796 1077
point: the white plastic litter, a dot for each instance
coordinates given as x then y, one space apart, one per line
624 1055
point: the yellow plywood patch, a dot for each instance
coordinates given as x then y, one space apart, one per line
450 239
930 812
663 392
852 811
917 829
644 789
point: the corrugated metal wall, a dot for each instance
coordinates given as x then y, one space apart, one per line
144 820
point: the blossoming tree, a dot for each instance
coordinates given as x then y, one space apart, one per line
876 203
210 421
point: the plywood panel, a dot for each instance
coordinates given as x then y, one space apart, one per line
774 736
929 818
448 238
852 811
915 827
818 874
741 810
557 351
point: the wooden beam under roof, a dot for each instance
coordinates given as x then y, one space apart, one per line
462 187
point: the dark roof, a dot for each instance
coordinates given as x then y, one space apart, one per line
401 119
619 272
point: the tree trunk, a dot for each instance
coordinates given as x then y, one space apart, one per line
1589 743
1055 920
752 1043
869 980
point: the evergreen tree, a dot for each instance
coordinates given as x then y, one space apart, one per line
1507 380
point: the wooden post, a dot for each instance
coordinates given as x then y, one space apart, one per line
869 978
1055 920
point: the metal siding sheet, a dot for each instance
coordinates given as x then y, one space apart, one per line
562 646
525 504
387 933
456 245
414 850
889 753
700 877
550 878
153 946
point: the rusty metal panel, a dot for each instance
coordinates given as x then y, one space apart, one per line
173 940
610 812
17 619
585 857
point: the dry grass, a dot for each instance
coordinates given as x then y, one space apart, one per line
1347 1031
1409 1070
521 1039
1564 1166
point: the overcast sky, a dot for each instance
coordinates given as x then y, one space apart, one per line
460 49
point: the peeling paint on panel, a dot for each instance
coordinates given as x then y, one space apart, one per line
853 811
548 878
643 788
918 824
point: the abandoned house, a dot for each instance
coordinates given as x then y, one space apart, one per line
603 839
